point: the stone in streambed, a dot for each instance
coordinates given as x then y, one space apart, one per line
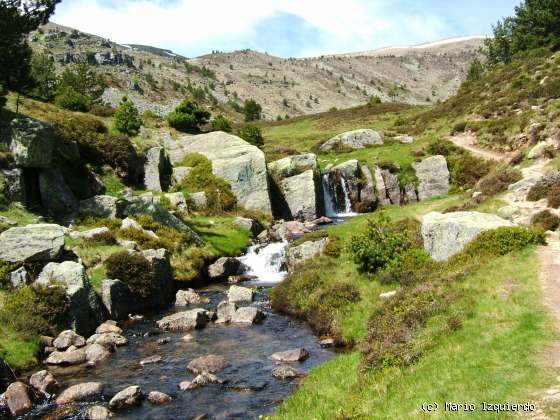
17 399
158 398
286 372
84 392
239 294
128 397
248 315
294 355
184 321
108 327
210 364
98 412
43 381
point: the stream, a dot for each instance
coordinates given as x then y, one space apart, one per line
249 389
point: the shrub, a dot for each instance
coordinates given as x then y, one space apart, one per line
189 264
545 186
105 238
3 94
5 269
170 238
68 98
498 181
143 239
377 246
127 118
252 110
545 220
459 127
374 100
553 197
132 269
93 222
102 111
221 123
504 240
252 134
119 153
410 267
467 170
188 116
444 148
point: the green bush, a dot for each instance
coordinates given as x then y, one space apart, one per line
189 264
498 181
170 238
374 100
143 239
5 269
546 186
252 110
504 240
459 127
410 267
445 148
132 269
119 153
221 123
105 238
467 170
553 197
68 98
545 220
188 116
102 111
127 118
252 134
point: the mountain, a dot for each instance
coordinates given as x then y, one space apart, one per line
157 79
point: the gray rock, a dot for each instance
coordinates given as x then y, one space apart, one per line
177 201
189 297
96 353
225 312
286 372
241 164
248 315
288 356
67 339
88 234
539 149
201 380
158 398
388 185
357 139
150 360
525 184
180 173
129 223
157 170
447 234
13 185
18 278
409 194
108 340
208 364
433 177
86 309
239 294
56 196
17 399
225 267
128 397
388 295
405 138
44 382
100 206
32 143
252 225
298 255
109 326
286 231
41 242
199 200
67 358
84 392
6 375
184 321
509 212
98 412
293 165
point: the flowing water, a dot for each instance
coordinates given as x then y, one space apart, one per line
335 206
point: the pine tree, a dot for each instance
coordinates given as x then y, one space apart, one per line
252 110
127 117
44 75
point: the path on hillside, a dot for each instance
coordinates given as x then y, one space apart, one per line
468 140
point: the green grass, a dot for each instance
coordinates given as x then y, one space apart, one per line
96 275
221 234
18 353
114 186
493 357
19 214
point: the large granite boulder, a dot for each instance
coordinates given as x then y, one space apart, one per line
184 321
180 173
447 234
241 164
297 192
298 255
40 242
17 399
357 139
225 267
101 206
433 177
157 170
13 185
32 143
57 198
389 187
120 301
84 392
86 310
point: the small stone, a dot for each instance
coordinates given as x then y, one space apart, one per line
187 338
203 379
225 312
108 327
239 294
164 341
248 315
67 358
128 397
158 398
210 363
327 343
136 318
68 338
295 355
388 295
43 381
150 360
184 321
46 341
98 412
189 297
84 392
108 340
285 372
17 399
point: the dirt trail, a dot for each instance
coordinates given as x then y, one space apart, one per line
468 140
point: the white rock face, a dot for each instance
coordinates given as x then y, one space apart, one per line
433 177
42 242
447 234
241 164
299 254
357 139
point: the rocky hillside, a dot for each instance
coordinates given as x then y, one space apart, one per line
157 79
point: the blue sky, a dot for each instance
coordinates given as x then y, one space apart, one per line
286 28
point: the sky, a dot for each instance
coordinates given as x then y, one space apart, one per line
284 28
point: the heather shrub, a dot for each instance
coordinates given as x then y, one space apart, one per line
498 180
134 270
545 220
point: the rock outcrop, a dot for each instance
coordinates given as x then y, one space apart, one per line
388 187
433 177
297 255
357 139
241 164
447 234
157 170
32 143
56 196
40 242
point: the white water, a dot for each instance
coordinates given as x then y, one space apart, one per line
266 263
330 202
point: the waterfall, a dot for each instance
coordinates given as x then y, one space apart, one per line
336 206
266 263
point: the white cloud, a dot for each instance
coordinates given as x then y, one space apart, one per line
194 26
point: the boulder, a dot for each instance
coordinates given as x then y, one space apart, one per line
44 382
158 398
157 170
108 327
239 294
189 297
67 339
128 397
286 372
129 223
6 375
287 231
288 356
13 185
357 139
18 278
91 233
96 353
98 412
199 200
225 312
225 267
180 173
524 185
32 143
208 364
509 212
40 242
447 234
177 201
67 358
17 399
86 309
101 206
298 255
84 392
433 177
56 196
108 340
409 194
404 138
388 295
540 149
203 379
389 188
241 164
248 315
184 321
252 225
